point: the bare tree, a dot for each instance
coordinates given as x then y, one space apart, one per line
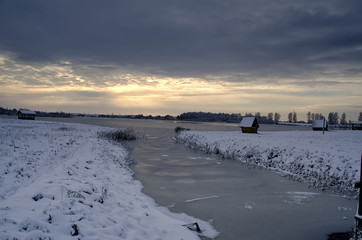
290 117
277 117
333 118
336 117
343 119
295 117
318 116
309 117
330 118
270 116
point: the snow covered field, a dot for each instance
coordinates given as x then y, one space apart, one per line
329 161
61 181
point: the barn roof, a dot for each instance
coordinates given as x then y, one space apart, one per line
27 112
319 123
248 122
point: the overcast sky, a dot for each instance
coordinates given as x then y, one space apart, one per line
168 57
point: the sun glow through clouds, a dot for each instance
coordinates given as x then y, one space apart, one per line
73 87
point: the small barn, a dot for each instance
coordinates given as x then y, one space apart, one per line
319 124
249 125
26 114
356 125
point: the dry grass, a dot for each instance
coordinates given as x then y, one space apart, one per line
179 129
119 135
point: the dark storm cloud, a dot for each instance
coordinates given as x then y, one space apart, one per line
188 38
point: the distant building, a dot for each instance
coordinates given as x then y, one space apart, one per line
319 124
249 125
26 114
356 125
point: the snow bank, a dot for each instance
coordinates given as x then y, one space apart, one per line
329 161
61 181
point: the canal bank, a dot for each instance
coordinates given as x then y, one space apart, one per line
241 202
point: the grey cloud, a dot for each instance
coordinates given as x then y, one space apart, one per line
83 96
75 97
187 38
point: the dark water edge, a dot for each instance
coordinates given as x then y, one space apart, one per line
340 236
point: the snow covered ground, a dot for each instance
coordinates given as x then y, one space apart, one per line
61 181
329 161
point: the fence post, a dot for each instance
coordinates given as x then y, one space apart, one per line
358 216
360 192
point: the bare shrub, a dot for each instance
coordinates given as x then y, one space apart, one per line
119 134
179 129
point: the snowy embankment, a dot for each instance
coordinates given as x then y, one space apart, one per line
61 181
329 161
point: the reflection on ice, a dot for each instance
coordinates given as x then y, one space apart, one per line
172 173
300 197
198 199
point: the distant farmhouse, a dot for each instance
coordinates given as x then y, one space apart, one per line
249 125
356 125
319 124
26 114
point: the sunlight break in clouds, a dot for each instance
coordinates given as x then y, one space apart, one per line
70 87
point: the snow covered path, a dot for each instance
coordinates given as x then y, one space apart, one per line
61 181
329 161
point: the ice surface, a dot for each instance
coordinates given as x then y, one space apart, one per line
327 161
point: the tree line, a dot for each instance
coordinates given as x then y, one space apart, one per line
226 117
333 117
271 118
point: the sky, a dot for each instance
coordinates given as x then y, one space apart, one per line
169 57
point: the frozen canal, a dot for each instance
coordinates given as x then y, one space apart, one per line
241 202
